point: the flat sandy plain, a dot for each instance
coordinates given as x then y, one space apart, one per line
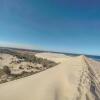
74 78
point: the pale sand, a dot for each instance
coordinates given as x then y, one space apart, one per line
70 80
10 61
53 56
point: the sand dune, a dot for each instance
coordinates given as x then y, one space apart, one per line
53 56
75 78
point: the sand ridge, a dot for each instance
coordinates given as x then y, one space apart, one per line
70 80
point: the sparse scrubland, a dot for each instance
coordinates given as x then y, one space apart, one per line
15 65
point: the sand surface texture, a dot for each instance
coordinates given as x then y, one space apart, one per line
75 78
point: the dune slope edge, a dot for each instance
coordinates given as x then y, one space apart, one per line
75 78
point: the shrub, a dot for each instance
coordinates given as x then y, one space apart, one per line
7 70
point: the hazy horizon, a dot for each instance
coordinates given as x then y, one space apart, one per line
54 25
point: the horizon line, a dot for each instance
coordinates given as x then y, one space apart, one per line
53 51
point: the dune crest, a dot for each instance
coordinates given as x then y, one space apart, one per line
75 78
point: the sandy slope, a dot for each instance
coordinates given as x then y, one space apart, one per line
53 56
70 80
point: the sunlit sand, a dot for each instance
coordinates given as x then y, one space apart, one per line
74 78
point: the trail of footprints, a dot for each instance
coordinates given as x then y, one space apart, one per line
89 84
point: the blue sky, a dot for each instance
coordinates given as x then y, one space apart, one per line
57 25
